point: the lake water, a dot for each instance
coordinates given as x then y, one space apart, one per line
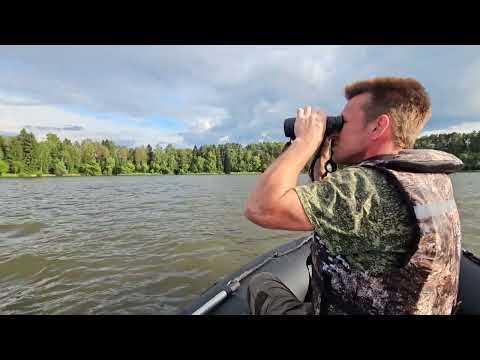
138 245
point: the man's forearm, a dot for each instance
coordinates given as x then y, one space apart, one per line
282 174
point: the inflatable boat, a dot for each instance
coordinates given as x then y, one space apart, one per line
289 263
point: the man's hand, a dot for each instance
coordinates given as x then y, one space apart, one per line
310 125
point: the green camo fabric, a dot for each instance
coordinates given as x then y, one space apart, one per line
360 215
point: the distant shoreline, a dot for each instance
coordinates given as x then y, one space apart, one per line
16 176
7 176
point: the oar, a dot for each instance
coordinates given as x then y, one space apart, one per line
232 286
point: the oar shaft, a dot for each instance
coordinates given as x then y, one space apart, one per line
217 299
210 304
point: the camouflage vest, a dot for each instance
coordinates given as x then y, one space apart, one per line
427 283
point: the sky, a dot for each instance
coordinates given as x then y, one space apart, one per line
194 95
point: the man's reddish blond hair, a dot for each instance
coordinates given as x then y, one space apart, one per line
404 100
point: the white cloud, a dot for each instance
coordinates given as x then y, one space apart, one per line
42 119
204 118
14 100
468 84
465 127
224 139
215 91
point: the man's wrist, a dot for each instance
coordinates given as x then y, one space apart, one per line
310 143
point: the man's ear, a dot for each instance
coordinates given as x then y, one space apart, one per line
382 123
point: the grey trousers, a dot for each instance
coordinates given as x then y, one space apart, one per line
267 295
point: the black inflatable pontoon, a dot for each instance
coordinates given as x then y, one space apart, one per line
289 263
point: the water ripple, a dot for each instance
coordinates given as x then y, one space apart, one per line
137 245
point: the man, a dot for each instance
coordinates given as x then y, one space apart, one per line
386 230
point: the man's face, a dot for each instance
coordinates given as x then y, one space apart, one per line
350 145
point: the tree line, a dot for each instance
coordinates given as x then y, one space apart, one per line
24 155
466 146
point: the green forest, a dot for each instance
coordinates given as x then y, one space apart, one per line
23 155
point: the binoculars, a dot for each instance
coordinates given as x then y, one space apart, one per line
334 125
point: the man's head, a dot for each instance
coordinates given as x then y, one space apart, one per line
382 116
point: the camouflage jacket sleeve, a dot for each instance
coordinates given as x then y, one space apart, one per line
359 215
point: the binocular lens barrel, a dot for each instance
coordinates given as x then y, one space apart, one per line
334 125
